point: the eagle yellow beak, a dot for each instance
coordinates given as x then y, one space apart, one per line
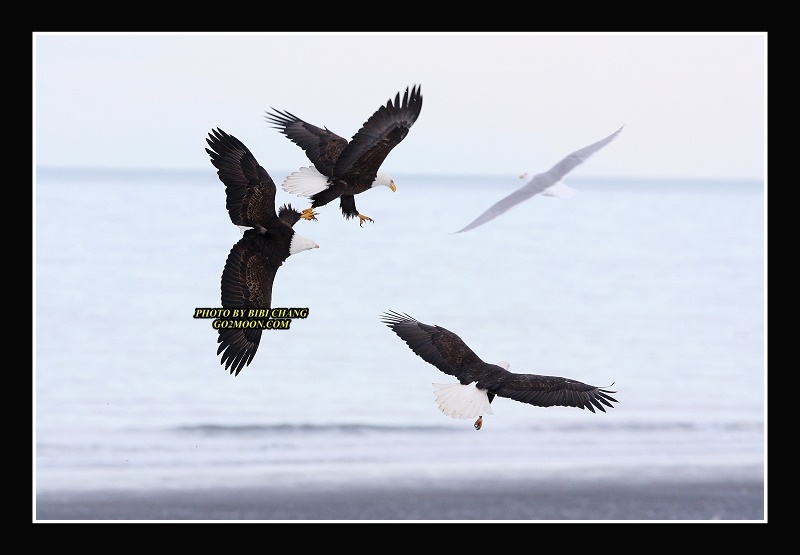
392 187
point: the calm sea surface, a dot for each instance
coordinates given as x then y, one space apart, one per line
657 287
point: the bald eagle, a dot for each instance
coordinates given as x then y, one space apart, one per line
479 382
269 239
344 169
547 183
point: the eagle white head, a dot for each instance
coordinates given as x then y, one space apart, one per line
300 244
383 179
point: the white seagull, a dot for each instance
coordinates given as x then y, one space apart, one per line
547 183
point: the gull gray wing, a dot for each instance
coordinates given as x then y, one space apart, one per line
573 160
500 207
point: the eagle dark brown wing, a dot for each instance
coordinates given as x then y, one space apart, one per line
322 147
434 344
249 189
383 131
247 281
547 391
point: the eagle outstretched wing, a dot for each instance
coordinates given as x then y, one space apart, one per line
249 189
322 147
434 344
383 131
247 281
547 391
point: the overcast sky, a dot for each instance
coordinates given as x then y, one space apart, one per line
693 105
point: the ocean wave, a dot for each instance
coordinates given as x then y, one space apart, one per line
347 428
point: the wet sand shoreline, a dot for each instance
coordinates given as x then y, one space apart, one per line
562 500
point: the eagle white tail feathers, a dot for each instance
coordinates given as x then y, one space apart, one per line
305 182
462 401
560 190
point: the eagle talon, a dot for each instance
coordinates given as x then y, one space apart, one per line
309 214
362 218
478 423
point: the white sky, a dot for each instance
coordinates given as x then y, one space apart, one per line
693 105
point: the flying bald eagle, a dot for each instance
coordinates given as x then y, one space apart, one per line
548 183
254 260
344 169
479 382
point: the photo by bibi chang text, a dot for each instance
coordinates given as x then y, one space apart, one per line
251 318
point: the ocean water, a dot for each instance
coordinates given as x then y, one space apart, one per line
656 287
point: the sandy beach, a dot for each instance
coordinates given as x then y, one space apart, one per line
727 500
